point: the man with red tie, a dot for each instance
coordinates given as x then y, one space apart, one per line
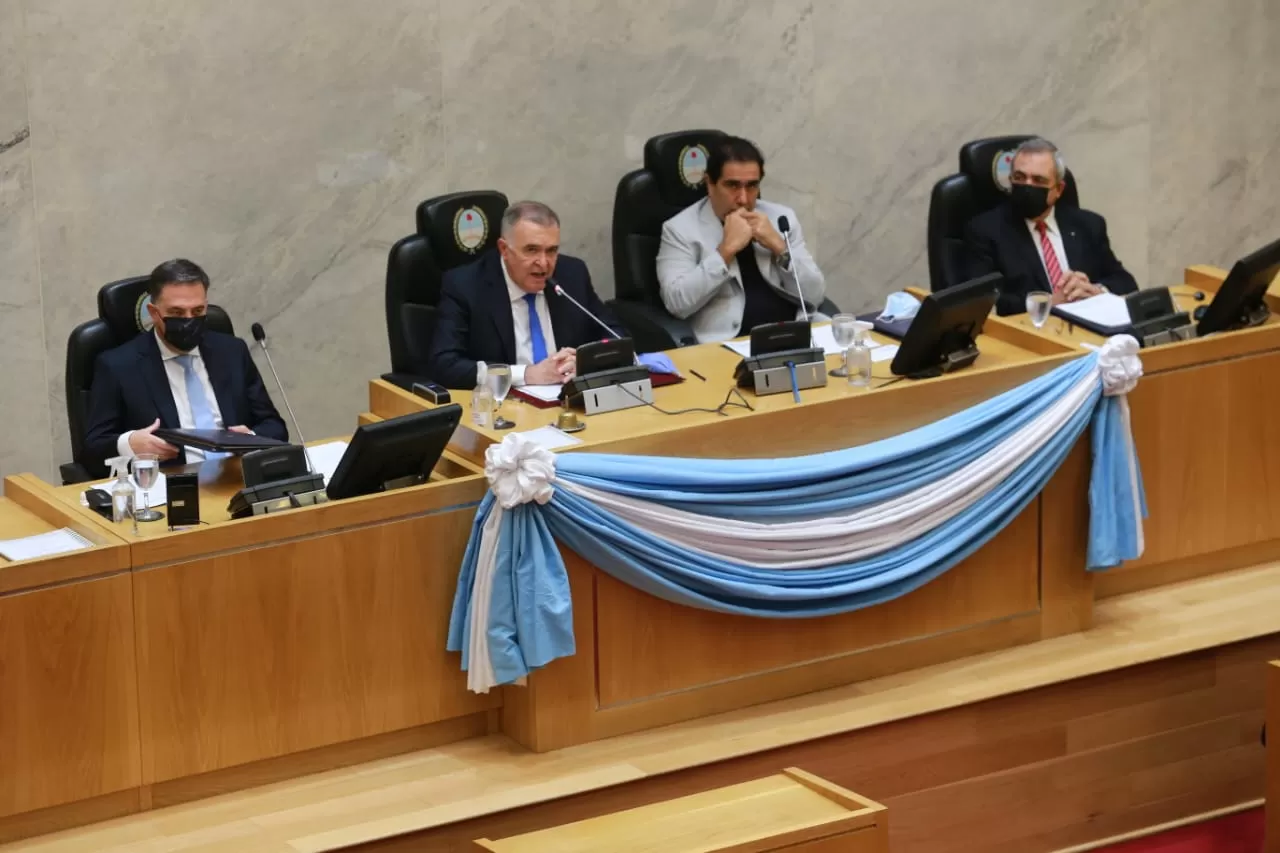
1037 245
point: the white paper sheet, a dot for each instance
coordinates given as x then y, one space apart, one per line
1105 309
546 393
325 458
884 352
551 438
43 545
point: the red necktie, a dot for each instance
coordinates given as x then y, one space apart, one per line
1051 264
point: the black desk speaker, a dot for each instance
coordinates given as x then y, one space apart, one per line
182 498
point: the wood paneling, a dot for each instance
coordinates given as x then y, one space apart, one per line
642 642
263 652
68 694
1027 773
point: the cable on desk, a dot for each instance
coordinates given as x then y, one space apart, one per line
719 410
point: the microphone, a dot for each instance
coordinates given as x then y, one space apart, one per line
784 225
260 335
559 291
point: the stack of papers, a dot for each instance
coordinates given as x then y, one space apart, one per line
324 458
43 545
551 438
1105 309
822 337
546 393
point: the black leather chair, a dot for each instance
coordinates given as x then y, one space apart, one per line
670 181
958 198
121 315
452 230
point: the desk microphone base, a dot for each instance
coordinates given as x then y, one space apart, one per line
614 398
777 380
289 502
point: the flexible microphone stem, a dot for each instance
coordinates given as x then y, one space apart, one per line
260 336
784 225
560 291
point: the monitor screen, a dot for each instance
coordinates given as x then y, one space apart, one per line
399 449
1243 292
949 321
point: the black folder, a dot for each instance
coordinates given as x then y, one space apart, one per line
217 440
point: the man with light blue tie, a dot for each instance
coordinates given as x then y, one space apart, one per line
180 375
502 308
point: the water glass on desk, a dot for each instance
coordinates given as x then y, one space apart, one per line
1039 303
498 378
146 471
843 330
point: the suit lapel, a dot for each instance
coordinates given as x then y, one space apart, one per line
220 377
1030 252
1071 243
157 381
500 299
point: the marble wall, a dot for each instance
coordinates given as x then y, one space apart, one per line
284 145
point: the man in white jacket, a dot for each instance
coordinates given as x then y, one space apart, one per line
724 263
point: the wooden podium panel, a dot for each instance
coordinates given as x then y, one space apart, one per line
68 684
1202 416
642 642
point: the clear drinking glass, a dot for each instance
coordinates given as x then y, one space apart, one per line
146 470
843 329
1038 304
498 378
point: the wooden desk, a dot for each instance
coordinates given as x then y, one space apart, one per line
1203 416
642 662
172 664
1273 757
68 681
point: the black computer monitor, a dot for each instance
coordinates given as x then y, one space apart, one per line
393 453
1239 302
941 337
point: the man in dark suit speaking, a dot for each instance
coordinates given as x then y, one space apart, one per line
179 376
502 308
1039 246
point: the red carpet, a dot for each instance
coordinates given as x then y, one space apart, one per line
1237 833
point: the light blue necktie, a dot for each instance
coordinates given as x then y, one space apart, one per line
535 329
200 411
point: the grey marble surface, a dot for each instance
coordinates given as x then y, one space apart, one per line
285 145
24 398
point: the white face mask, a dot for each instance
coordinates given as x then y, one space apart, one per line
899 306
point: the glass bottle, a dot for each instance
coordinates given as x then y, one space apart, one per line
482 402
857 360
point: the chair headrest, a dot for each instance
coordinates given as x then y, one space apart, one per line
460 226
123 305
989 161
678 161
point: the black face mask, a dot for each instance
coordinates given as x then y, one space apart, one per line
184 333
1028 200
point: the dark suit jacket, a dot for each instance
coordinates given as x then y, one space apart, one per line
474 320
131 389
999 241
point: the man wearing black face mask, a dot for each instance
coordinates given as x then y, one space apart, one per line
177 376
1039 245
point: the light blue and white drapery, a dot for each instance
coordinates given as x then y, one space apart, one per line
786 538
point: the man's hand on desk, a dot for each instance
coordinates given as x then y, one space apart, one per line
556 369
143 441
1075 286
244 430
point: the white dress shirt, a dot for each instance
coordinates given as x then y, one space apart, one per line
178 386
1055 239
520 316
